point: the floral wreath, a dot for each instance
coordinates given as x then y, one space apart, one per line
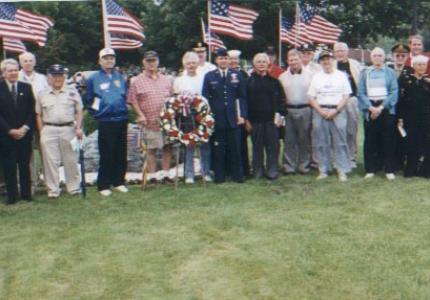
186 105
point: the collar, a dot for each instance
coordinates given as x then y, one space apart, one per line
148 75
225 70
62 90
296 73
9 84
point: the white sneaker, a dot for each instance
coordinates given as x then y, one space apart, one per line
105 193
189 180
322 176
207 178
342 177
369 175
390 176
121 189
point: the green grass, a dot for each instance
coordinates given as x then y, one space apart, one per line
294 238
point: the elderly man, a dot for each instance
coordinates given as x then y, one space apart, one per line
190 83
16 130
307 52
226 91
296 81
204 66
377 96
106 101
234 56
328 93
27 74
147 94
352 69
59 119
265 108
416 44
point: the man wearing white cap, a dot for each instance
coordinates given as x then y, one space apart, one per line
106 101
234 56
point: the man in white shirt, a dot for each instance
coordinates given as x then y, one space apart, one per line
296 81
27 73
352 70
307 53
328 94
204 66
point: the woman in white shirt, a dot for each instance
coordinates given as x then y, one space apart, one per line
191 83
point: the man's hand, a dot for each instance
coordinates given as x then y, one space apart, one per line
248 126
331 115
400 123
78 132
375 112
16 134
141 121
240 121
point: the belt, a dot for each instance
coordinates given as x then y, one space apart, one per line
376 103
329 106
59 124
297 106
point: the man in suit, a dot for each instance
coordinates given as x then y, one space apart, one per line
226 92
17 116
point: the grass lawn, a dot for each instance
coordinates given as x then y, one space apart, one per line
290 239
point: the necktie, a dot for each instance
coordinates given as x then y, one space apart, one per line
224 76
14 94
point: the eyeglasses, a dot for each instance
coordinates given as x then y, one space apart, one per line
400 55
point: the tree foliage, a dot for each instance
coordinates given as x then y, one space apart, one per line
174 26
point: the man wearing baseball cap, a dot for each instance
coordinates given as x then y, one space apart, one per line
106 101
328 93
59 119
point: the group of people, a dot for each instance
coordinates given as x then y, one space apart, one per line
313 106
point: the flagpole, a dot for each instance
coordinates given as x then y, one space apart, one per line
297 33
209 31
279 37
105 25
4 49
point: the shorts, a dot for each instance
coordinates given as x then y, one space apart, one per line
154 139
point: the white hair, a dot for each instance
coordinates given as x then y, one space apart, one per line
340 46
6 62
190 56
24 55
293 52
377 50
261 56
419 59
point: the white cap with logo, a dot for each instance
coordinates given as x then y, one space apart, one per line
106 51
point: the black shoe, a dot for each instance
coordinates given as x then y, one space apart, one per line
167 180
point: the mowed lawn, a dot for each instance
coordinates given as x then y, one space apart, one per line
294 238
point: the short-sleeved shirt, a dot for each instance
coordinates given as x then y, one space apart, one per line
296 86
150 93
188 84
58 108
38 81
329 88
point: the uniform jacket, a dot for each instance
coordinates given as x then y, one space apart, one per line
223 97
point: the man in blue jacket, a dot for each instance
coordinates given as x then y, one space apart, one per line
225 90
106 101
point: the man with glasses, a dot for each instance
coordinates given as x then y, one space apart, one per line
307 53
400 54
416 44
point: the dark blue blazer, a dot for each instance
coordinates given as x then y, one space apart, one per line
222 97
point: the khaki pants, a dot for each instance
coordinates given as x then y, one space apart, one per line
57 150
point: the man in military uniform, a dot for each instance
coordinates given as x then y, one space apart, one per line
226 92
400 55
234 56
59 119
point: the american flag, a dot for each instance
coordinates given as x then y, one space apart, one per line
121 42
317 28
232 20
38 24
121 22
293 33
212 39
13 45
11 27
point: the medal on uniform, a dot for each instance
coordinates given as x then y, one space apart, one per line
117 83
234 78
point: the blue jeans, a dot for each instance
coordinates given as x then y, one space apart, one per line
205 153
